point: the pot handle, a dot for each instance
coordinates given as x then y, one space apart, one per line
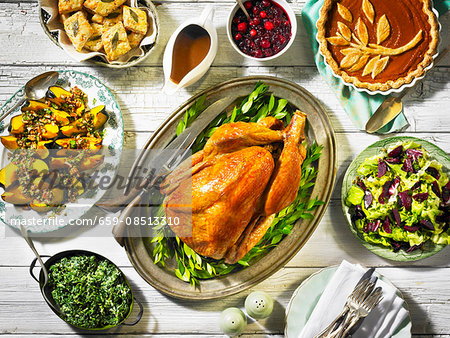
33 265
139 315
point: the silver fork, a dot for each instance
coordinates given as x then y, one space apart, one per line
356 297
366 307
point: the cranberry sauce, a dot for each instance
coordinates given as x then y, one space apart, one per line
266 33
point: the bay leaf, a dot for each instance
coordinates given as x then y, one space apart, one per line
338 41
380 65
383 29
344 12
115 40
361 30
368 10
134 15
345 31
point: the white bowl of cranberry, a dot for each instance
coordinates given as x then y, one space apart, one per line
268 34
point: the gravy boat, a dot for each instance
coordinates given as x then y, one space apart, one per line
205 22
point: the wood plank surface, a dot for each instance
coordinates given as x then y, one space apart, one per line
27 51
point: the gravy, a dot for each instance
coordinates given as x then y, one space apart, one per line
190 48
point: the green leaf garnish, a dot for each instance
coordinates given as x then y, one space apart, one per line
75 27
95 38
115 40
113 15
134 15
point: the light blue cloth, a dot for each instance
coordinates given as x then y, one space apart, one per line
358 105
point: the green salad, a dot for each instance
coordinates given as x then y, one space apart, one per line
401 199
92 293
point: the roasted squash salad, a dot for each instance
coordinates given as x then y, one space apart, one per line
53 143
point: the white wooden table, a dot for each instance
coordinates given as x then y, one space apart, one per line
26 51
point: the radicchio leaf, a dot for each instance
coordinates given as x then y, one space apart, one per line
416 186
395 152
397 217
436 189
361 184
427 224
374 226
394 185
446 193
368 199
407 166
413 228
396 246
382 168
433 172
405 199
413 154
386 225
394 160
420 197
414 247
357 213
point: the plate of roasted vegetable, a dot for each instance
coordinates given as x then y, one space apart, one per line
396 198
52 146
262 175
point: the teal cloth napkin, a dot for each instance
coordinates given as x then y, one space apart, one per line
358 105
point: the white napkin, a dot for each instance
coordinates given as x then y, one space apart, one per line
381 322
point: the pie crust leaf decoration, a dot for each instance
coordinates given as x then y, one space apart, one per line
368 10
361 63
347 51
345 31
361 30
380 65
338 41
370 65
383 29
344 12
350 59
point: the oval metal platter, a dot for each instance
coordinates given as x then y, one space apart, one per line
318 129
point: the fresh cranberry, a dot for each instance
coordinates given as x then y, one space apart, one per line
256 21
267 25
253 32
265 44
256 10
248 4
259 53
238 36
236 20
262 14
265 3
276 22
242 27
282 39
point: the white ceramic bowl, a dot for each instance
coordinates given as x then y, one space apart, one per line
291 15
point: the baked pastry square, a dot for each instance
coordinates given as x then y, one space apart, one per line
94 43
135 20
115 41
78 29
68 6
377 45
135 39
114 17
103 8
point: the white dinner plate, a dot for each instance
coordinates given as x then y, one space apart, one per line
306 296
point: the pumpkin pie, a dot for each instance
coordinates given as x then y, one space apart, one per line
378 44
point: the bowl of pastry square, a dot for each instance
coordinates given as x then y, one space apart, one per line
111 33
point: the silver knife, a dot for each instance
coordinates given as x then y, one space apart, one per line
392 106
183 142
